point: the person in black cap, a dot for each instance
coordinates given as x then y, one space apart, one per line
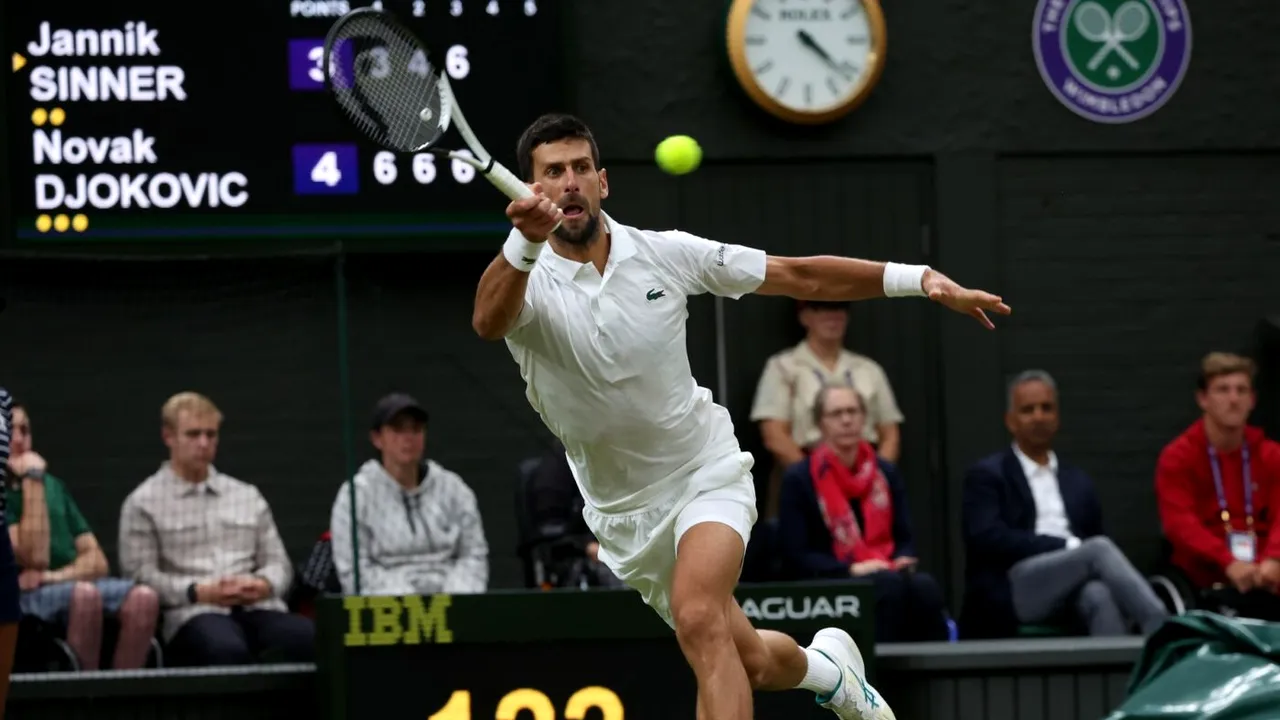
417 525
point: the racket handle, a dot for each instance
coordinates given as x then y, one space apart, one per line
508 183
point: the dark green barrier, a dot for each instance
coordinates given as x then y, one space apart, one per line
555 655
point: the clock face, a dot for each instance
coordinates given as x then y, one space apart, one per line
813 57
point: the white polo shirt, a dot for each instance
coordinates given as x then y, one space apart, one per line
605 363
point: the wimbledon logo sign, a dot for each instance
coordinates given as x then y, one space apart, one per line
1112 61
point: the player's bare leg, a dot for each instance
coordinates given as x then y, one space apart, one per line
705 574
773 660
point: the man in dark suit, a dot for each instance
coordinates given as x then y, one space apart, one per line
1034 542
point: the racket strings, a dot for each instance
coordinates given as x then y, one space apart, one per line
383 79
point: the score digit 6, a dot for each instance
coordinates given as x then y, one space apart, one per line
537 704
424 168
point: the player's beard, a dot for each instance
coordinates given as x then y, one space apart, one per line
582 236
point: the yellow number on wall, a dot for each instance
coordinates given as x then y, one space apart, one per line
458 707
600 698
532 700
538 704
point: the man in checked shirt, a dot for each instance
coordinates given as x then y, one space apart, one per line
208 545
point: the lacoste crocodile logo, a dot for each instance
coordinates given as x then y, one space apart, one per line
654 294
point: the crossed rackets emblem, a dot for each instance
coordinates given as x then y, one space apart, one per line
1129 23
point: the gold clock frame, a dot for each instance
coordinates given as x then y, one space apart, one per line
736 33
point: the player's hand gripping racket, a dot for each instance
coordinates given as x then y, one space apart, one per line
389 85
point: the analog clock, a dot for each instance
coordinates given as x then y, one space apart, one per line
807 61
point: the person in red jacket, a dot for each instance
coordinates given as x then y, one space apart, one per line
1218 490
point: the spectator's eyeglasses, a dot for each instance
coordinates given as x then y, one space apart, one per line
837 412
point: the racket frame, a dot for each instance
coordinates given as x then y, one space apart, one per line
479 158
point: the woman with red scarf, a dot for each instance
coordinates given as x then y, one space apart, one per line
843 513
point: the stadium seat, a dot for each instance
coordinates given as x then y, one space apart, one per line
316 577
41 648
1175 592
1035 631
1171 584
534 571
550 555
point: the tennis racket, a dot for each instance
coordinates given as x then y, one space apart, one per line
387 82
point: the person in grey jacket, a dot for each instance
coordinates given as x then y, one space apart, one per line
418 528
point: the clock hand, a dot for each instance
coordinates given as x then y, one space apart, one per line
807 40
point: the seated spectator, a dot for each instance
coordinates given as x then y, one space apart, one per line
64 572
843 512
1218 489
208 545
791 380
556 511
1034 542
10 612
418 525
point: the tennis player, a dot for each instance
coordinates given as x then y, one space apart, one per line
596 323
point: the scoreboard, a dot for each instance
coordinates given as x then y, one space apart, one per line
153 119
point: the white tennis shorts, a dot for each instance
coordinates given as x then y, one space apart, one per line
640 546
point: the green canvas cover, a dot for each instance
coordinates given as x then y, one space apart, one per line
1204 666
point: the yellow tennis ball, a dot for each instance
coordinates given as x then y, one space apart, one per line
678 155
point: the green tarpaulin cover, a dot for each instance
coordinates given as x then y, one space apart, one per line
1203 666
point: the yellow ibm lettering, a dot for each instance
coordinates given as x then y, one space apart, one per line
353 604
397 620
430 622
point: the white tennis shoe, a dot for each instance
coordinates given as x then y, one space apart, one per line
854 698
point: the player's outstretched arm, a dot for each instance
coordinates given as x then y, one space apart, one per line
500 296
825 277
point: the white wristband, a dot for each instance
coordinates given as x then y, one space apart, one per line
521 253
904 280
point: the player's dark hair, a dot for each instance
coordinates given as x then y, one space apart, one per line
549 128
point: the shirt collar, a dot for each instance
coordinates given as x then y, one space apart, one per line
212 484
804 353
1031 467
621 247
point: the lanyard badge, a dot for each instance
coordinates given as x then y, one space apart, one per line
1242 544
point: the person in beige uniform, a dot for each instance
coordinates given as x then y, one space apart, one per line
792 378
